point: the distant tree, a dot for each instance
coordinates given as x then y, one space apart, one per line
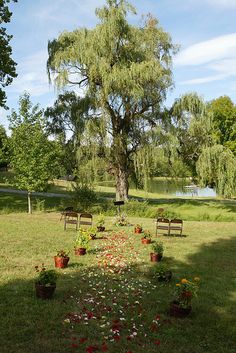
124 69
4 148
7 65
191 125
216 166
67 118
224 122
35 159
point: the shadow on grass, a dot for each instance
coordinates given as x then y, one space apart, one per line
94 303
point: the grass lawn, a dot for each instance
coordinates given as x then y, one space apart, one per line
109 300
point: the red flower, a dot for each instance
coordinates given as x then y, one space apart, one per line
157 342
91 349
82 340
74 345
104 347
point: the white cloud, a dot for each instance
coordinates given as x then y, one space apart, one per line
222 3
207 51
217 55
32 75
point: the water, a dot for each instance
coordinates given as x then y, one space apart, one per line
173 188
179 188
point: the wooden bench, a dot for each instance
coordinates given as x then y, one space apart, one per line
164 225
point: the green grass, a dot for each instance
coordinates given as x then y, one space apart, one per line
30 325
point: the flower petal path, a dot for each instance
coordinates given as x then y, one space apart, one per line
111 313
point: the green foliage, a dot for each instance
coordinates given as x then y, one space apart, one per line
82 239
100 220
125 70
45 277
157 247
185 290
34 157
7 65
62 253
217 166
224 122
4 147
84 196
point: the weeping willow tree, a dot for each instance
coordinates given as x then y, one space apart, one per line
125 69
216 166
191 124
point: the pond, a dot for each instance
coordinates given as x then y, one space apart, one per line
180 188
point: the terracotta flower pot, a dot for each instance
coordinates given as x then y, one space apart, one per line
137 230
80 251
101 229
145 241
61 262
177 311
44 292
155 257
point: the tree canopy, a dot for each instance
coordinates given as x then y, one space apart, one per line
35 159
124 69
7 64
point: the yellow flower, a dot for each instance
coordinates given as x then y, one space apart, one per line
184 280
197 279
177 284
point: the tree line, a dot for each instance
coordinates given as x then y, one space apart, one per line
119 126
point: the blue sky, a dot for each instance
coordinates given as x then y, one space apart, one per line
204 29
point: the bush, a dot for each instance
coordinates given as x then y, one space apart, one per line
84 196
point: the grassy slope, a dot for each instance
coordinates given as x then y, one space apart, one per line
29 325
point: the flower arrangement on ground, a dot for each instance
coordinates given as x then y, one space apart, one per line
185 290
45 284
158 249
81 241
45 277
61 259
146 238
138 228
101 223
162 272
121 220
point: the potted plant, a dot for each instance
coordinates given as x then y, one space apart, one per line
101 223
162 272
61 259
81 243
185 291
91 232
45 284
138 229
146 239
157 248
121 220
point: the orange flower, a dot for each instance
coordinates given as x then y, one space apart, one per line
184 280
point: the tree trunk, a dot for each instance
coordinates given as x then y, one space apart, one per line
122 184
29 203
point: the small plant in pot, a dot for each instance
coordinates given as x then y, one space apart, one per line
162 272
121 220
81 243
138 229
91 232
185 291
146 238
157 251
61 259
45 284
101 223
